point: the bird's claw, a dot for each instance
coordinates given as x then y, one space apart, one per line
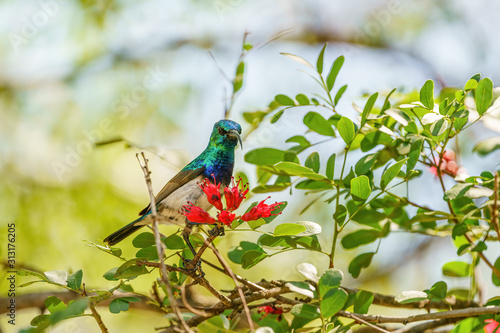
217 231
195 268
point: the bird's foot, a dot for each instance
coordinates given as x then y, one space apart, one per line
194 267
218 230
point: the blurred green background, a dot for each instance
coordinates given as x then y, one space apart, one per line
76 72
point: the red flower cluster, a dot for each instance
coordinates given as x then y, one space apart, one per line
234 195
260 210
492 326
270 309
449 165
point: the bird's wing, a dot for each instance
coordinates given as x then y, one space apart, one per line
173 184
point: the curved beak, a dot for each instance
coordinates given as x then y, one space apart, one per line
234 133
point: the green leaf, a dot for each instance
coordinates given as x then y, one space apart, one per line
410 297
414 154
237 252
74 281
110 275
471 84
302 288
319 62
252 258
238 78
456 269
361 261
330 279
339 94
277 116
346 129
334 71
298 59
305 311
439 127
332 302
439 290
25 272
302 99
494 277
58 277
360 187
487 146
368 107
365 164
467 190
284 100
360 237
312 161
117 305
130 269
265 156
483 95
362 301
288 229
340 214
391 173
315 122
309 184
143 240
150 253
54 304
309 271
330 166
256 223
427 94
174 242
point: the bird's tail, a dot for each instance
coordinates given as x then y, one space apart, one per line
124 232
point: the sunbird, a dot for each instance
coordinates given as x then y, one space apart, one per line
215 163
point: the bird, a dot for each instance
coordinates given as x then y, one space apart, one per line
215 163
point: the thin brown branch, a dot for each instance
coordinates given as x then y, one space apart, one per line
98 319
375 327
160 247
240 291
427 326
469 312
219 307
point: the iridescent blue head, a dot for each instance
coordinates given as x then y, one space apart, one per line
226 134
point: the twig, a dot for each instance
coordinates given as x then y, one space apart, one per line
160 247
428 325
375 327
469 312
98 319
240 291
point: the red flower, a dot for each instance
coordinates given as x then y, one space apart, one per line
270 309
234 196
196 214
261 210
212 191
492 326
226 217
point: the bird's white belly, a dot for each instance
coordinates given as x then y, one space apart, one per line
169 208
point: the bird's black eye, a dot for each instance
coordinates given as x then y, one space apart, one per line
221 131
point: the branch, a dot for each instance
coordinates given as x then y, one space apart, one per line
219 307
469 312
98 319
160 247
240 291
428 325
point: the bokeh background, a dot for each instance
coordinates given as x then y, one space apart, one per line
76 72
